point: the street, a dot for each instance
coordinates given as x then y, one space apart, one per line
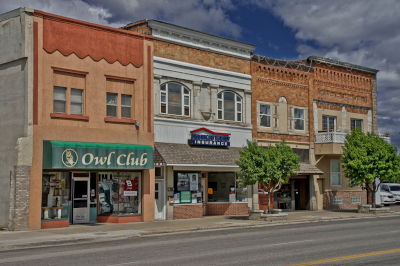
274 245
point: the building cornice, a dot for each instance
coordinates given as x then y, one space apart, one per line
183 36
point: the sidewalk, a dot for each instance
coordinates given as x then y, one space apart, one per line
103 231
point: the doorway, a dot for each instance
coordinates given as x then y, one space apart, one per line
80 197
159 200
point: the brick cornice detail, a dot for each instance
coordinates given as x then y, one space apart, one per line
280 82
333 84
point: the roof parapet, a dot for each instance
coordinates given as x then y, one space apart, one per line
346 65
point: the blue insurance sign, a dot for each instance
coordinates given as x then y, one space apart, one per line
205 137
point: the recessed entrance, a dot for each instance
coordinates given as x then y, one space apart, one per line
80 197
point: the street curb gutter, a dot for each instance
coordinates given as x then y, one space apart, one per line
64 240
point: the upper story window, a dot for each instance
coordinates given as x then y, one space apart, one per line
175 99
336 177
356 123
113 107
61 102
229 106
328 123
298 119
265 115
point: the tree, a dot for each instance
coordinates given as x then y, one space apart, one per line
367 157
270 166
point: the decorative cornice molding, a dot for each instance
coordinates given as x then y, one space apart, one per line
280 82
333 84
120 78
200 40
342 104
341 95
59 69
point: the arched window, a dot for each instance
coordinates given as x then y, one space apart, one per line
175 99
229 106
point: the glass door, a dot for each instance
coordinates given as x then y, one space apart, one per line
81 197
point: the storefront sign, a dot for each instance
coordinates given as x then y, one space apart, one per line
186 197
85 155
205 137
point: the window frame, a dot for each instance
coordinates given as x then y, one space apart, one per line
355 122
236 111
126 106
183 96
331 172
334 122
64 101
294 118
108 104
76 102
259 115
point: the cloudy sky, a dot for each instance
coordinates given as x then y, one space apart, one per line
363 32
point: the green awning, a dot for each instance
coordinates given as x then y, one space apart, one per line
87 155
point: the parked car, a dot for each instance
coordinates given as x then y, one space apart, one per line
393 188
384 198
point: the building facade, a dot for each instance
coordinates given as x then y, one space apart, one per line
202 117
78 139
282 109
345 97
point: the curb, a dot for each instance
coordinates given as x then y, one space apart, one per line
82 240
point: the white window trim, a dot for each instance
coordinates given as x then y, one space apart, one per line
116 105
236 111
259 114
182 98
334 122
81 102
130 106
304 119
362 122
330 172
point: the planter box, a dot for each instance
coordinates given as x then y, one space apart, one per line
368 209
274 217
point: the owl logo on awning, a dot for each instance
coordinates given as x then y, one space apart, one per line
69 158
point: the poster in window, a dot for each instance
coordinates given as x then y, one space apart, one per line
177 197
186 197
194 183
183 183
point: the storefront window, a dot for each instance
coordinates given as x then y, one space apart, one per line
187 188
223 187
56 195
284 197
120 193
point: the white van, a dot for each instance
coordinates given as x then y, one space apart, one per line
393 188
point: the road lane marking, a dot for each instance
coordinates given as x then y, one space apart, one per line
347 257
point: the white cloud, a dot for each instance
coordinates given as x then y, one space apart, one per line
362 32
205 15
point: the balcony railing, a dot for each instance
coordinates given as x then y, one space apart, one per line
338 137
330 137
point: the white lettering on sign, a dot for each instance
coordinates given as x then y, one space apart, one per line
128 183
88 159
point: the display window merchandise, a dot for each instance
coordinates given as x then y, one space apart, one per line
119 193
187 188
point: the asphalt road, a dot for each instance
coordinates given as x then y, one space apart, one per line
273 245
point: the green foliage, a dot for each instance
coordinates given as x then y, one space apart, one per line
267 165
368 156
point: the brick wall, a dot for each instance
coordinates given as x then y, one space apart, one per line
346 199
227 209
188 211
19 198
269 83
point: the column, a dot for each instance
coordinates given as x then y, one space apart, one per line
196 102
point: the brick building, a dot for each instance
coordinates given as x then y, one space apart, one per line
202 117
76 122
313 104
